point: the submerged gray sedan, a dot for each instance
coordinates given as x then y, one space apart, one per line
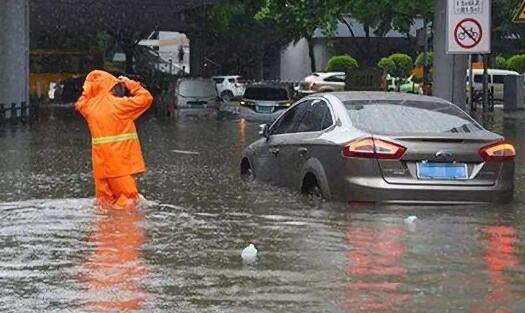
377 147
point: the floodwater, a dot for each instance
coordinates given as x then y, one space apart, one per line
180 252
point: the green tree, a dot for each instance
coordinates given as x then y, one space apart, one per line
503 27
501 63
517 63
302 17
403 64
420 60
387 65
341 63
239 39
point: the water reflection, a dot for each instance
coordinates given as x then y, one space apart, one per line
375 267
500 255
113 273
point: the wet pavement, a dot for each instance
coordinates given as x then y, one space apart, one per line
181 252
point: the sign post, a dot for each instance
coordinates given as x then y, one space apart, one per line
468 26
468 32
519 16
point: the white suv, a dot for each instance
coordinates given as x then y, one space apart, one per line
229 87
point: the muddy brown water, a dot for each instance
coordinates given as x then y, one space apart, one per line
182 254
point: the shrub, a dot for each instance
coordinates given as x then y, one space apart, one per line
420 60
387 65
404 64
501 63
341 63
517 63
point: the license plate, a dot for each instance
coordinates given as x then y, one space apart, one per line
442 171
198 104
264 109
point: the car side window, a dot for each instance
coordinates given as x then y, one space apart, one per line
316 117
335 78
286 124
478 79
231 80
322 112
498 79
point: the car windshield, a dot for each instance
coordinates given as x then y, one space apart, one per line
197 88
266 93
409 117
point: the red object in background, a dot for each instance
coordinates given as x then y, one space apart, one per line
375 268
115 270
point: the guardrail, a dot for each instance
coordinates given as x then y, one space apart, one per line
15 112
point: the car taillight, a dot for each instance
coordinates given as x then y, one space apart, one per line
247 103
374 149
502 151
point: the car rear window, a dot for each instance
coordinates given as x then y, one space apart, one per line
405 117
266 93
197 88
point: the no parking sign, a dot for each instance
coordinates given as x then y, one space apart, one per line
468 26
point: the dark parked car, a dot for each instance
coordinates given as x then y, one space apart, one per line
265 102
383 147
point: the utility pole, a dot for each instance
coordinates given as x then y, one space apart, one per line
425 63
449 69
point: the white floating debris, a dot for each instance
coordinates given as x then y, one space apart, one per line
185 152
249 254
410 223
411 219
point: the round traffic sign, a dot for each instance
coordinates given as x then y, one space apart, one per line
468 33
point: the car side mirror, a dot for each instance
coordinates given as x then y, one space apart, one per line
264 130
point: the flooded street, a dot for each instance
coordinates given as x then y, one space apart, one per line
180 252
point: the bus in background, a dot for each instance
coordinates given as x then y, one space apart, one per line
48 67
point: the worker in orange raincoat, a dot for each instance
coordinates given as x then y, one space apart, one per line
116 151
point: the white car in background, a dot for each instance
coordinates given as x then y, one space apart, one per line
496 79
196 96
324 82
229 87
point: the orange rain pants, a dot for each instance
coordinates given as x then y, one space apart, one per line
120 192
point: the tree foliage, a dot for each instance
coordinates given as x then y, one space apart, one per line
501 63
517 63
240 39
386 15
341 63
420 59
403 64
387 65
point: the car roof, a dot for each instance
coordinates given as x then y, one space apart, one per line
494 71
269 85
226 76
194 79
325 74
383 96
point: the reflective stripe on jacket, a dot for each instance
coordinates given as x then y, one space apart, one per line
116 148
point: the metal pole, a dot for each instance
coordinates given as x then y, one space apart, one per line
470 83
425 64
485 83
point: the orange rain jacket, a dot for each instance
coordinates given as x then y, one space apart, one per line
115 145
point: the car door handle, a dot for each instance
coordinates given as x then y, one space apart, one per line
302 150
274 151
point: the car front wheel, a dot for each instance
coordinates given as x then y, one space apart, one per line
247 172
